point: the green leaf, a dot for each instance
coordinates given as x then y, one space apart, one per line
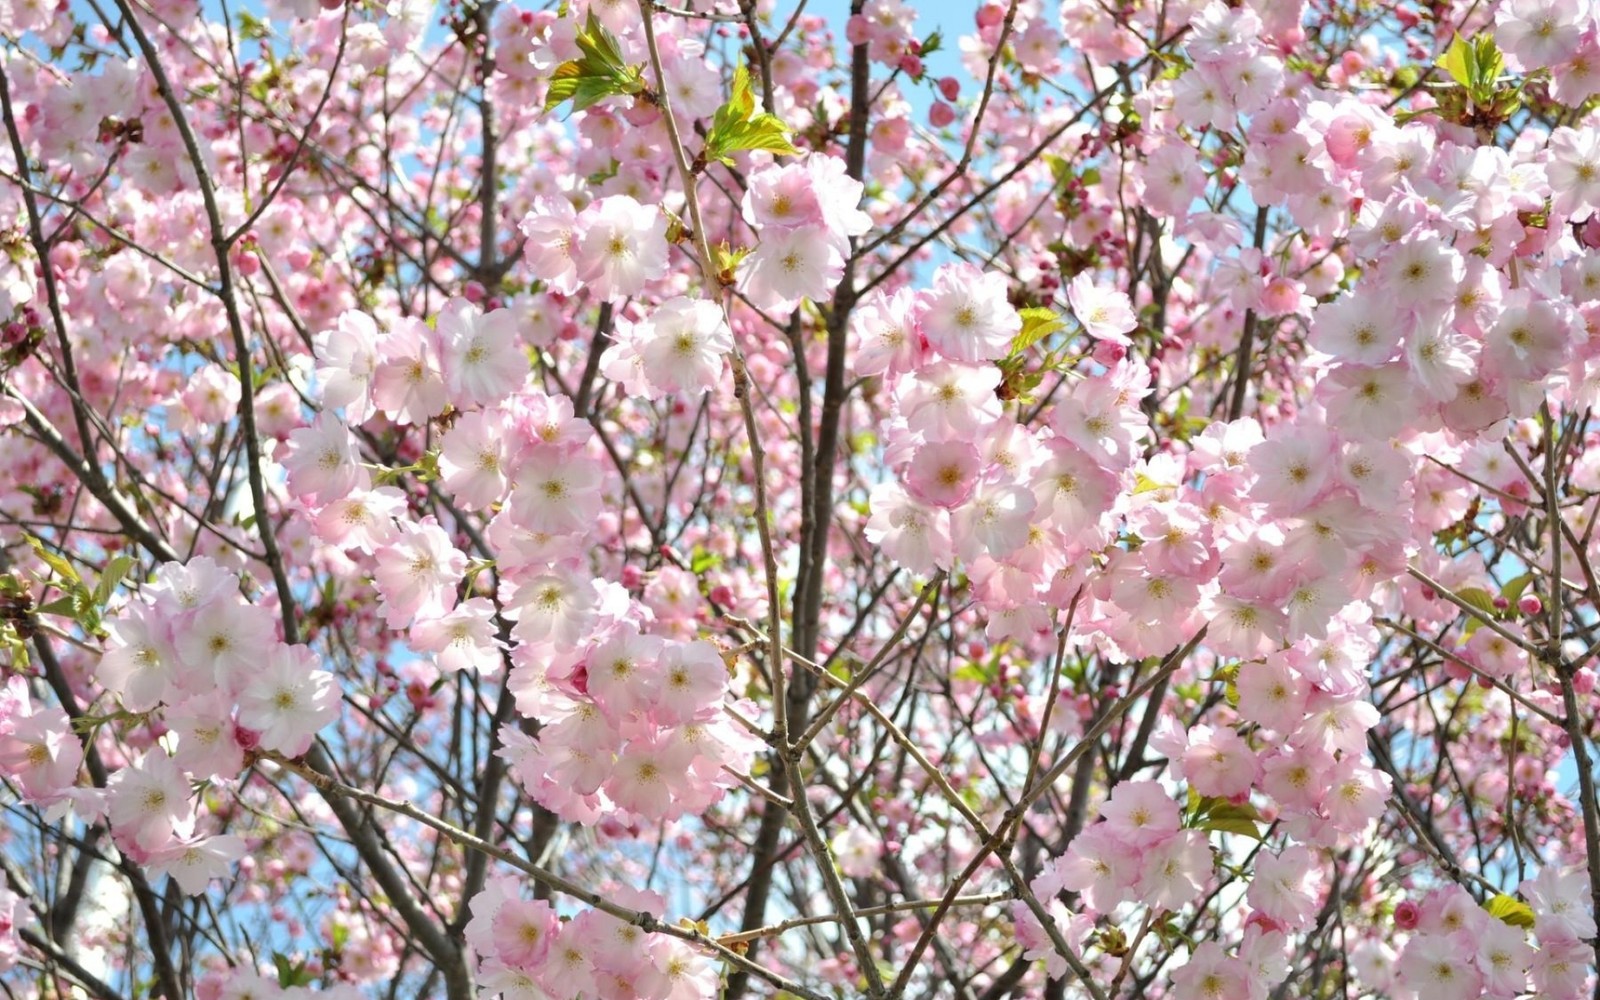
1490 63
1060 169
64 569
115 570
741 101
598 73
16 650
68 606
1226 817
251 28
1476 65
291 974
1037 324
428 466
738 126
1144 484
1514 587
1478 598
1510 910
1460 60
596 43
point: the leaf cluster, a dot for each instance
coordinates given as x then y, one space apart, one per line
598 73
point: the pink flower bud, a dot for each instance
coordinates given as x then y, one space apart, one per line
1406 915
417 693
1529 604
911 65
941 114
1109 352
949 88
990 14
248 739
65 256
1583 681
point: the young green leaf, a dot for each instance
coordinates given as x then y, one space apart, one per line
1037 324
738 126
598 73
1510 910
1460 60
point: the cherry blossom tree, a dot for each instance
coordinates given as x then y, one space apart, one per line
626 499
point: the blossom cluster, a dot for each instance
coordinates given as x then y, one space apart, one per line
525 951
1330 476
1457 948
224 685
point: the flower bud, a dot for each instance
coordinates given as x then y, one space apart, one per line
1406 915
1109 352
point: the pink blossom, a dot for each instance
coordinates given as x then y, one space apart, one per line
466 638
1440 967
195 863
1104 312
482 361
408 384
1211 974
322 462
1284 887
1174 870
965 316
148 803
288 699
417 573
791 265
620 245
473 460
679 348
349 356
551 230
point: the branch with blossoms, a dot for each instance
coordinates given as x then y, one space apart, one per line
639 500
